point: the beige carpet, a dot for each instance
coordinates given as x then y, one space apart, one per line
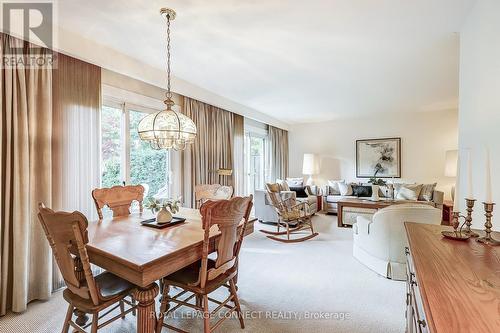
281 286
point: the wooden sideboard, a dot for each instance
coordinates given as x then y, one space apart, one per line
452 286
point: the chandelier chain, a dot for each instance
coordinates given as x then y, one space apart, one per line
169 93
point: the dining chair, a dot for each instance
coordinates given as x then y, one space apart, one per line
295 217
204 276
118 199
206 192
85 293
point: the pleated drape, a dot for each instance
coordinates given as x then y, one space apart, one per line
278 144
26 177
212 149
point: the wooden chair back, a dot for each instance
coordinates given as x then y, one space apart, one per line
118 199
67 236
227 215
206 192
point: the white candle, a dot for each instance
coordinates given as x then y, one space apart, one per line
489 197
456 202
470 194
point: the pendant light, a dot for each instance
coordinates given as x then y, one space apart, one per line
167 129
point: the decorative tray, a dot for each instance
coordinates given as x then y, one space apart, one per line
455 235
153 224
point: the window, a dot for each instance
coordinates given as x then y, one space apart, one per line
110 146
125 157
256 156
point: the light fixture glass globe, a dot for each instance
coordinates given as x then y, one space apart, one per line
167 129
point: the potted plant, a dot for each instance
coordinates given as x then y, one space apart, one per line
376 183
163 208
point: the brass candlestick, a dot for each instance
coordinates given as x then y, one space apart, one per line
468 218
457 233
488 208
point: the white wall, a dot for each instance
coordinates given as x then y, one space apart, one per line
479 111
424 136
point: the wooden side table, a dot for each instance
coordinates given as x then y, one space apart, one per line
447 212
319 199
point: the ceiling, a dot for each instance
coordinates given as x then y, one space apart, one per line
298 61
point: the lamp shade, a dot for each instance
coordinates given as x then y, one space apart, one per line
450 167
310 165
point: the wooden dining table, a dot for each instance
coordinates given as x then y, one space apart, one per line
143 255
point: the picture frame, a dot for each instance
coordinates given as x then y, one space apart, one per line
380 158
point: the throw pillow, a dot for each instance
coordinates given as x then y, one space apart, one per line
427 192
385 191
333 185
283 185
273 187
345 188
295 182
362 190
407 191
300 191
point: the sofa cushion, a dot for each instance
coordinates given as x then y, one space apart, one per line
336 198
427 192
407 191
345 188
333 185
292 182
361 190
300 191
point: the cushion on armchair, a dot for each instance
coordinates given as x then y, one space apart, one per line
300 191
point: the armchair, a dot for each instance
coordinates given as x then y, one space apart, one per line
292 215
379 242
265 211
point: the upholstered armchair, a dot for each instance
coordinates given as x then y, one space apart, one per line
265 211
379 242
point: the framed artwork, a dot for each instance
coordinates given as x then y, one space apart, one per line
379 158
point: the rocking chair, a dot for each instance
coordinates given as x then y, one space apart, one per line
292 216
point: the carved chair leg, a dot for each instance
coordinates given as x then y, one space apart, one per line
122 309
164 306
206 315
81 318
236 301
287 231
95 319
69 314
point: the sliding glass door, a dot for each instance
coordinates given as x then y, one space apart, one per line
255 161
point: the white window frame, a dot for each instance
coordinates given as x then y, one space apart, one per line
127 101
261 133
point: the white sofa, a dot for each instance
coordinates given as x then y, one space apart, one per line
379 243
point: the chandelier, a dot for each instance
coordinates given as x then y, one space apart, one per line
167 129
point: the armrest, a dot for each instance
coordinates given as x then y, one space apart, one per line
438 198
313 190
326 190
363 225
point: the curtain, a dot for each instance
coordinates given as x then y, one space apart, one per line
212 149
278 151
26 176
239 155
77 103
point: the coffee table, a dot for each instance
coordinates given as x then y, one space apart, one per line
361 203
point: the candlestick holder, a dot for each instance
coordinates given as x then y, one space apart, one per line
456 234
488 208
468 219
